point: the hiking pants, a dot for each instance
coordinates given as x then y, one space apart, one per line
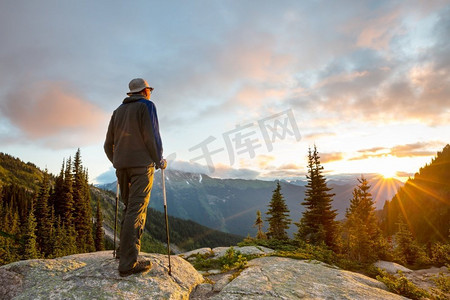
135 187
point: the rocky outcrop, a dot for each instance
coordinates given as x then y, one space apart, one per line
285 278
95 276
220 251
424 278
247 250
391 267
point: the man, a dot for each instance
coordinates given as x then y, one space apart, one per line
133 144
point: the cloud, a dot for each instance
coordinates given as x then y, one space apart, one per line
220 170
187 167
264 161
330 157
224 171
407 150
391 76
106 177
370 150
290 166
51 112
285 174
416 149
318 135
378 32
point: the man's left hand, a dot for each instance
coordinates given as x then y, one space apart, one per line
163 164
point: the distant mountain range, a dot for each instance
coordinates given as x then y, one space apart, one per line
230 205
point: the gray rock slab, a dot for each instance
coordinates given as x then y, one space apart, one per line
95 276
195 252
202 291
248 250
221 283
391 267
285 278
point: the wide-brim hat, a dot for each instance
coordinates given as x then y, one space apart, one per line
138 84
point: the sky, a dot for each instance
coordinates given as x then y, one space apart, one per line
243 88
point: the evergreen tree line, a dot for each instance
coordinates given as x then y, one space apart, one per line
55 220
359 239
425 199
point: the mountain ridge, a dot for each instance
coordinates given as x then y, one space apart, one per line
230 205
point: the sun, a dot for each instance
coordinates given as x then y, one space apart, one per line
388 172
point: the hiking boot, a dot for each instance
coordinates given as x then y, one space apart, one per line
141 266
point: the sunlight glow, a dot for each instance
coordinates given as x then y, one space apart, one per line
388 173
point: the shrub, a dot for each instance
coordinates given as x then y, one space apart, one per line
309 252
204 262
283 245
440 254
401 285
443 282
233 260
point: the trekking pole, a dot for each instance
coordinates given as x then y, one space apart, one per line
115 218
167 219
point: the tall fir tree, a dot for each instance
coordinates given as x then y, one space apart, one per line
260 235
363 241
99 233
407 250
10 230
57 196
278 216
67 207
318 225
30 246
43 217
83 211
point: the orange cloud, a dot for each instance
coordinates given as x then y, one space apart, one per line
407 150
315 136
329 157
264 160
51 110
290 166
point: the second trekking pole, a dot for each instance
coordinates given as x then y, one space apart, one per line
163 182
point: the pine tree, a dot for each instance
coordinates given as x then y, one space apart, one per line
30 246
317 225
67 197
9 249
99 233
279 216
56 197
65 239
83 211
408 250
260 235
43 216
362 234
58 248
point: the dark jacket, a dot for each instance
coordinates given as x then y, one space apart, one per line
133 138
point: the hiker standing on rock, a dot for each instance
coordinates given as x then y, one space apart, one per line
133 144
